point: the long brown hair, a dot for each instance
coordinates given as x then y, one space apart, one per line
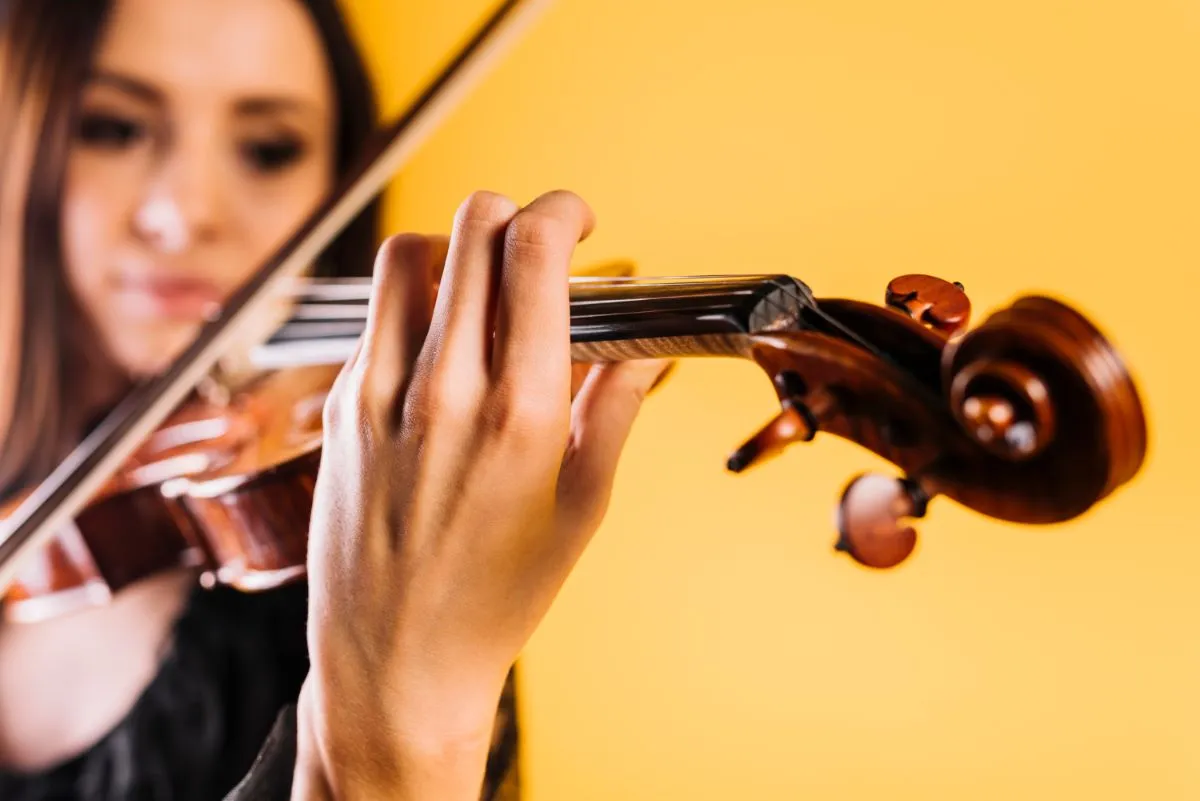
45 57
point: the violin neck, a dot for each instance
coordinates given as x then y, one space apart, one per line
635 318
612 319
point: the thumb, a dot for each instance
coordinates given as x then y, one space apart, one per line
602 417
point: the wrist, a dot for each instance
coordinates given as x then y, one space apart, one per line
310 781
420 752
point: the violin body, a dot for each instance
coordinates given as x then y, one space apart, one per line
137 526
1031 418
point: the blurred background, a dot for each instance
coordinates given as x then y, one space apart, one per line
712 645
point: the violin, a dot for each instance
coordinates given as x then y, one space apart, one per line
1031 417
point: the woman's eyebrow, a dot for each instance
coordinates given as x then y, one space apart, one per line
129 85
268 104
250 106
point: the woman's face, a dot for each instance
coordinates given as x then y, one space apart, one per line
206 136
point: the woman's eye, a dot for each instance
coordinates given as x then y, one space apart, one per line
272 155
109 130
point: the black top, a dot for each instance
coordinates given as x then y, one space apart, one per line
270 778
234 667
233 662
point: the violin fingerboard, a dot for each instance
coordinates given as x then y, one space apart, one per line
619 350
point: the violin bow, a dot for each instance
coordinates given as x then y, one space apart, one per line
56 500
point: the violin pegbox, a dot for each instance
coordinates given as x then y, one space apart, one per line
1029 418
827 384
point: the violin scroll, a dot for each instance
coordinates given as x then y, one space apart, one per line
1029 418
1039 388
1004 406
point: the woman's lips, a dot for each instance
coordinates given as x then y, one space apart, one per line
170 297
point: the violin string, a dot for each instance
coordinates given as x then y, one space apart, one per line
323 333
352 305
359 288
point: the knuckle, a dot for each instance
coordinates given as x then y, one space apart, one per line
440 399
402 249
333 408
375 391
565 196
519 414
533 231
331 412
341 408
355 405
483 209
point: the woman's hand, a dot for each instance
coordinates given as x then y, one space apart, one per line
459 485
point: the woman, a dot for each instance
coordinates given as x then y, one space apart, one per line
152 154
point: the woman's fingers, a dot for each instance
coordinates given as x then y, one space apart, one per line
531 352
397 320
602 417
461 331
579 375
438 544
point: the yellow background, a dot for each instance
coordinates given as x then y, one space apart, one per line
711 645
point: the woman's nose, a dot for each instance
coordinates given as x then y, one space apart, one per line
181 207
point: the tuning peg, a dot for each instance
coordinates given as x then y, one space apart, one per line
870 519
798 421
940 305
794 424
